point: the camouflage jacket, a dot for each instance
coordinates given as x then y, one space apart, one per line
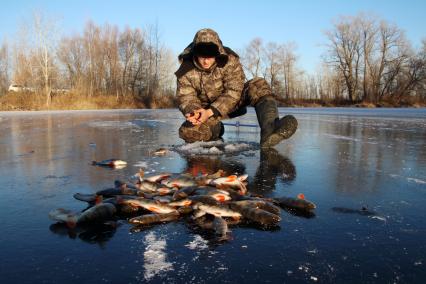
219 88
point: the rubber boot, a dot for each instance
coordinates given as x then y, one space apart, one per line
272 129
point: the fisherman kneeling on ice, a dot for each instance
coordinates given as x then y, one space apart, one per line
210 87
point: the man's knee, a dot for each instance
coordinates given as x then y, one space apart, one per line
257 88
239 112
212 129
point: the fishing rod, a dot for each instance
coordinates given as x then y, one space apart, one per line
238 124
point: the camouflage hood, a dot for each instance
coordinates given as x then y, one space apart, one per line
207 36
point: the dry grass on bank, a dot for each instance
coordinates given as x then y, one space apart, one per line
416 103
71 101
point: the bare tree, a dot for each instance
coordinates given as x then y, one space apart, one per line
412 78
112 65
369 33
392 54
91 46
252 57
345 50
72 55
288 59
130 43
4 67
23 70
272 66
45 33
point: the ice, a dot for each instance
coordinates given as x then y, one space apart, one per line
214 151
198 243
236 147
380 218
218 147
155 256
150 120
416 180
331 159
341 137
141 164
112 124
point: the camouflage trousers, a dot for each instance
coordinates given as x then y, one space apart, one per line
213 128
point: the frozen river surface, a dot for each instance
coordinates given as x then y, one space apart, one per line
344 160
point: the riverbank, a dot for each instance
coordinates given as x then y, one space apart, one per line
34 102
70 101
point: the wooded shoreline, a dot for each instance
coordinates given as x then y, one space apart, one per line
71 101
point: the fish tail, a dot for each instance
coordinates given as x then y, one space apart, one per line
232 178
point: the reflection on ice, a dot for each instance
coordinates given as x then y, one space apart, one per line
155 256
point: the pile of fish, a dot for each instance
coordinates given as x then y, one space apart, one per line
211 202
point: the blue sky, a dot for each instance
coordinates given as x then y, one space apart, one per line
237 22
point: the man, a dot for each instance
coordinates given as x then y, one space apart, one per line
210 87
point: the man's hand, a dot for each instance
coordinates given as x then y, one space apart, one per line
205 114
193 116
199 116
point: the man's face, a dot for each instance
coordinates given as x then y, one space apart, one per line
206 62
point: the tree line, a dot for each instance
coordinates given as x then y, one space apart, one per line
365 60
102 61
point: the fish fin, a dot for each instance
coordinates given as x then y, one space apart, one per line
232 178
71 224
153 209
71 221
141 173
99 199
220 198
163 190
301 196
